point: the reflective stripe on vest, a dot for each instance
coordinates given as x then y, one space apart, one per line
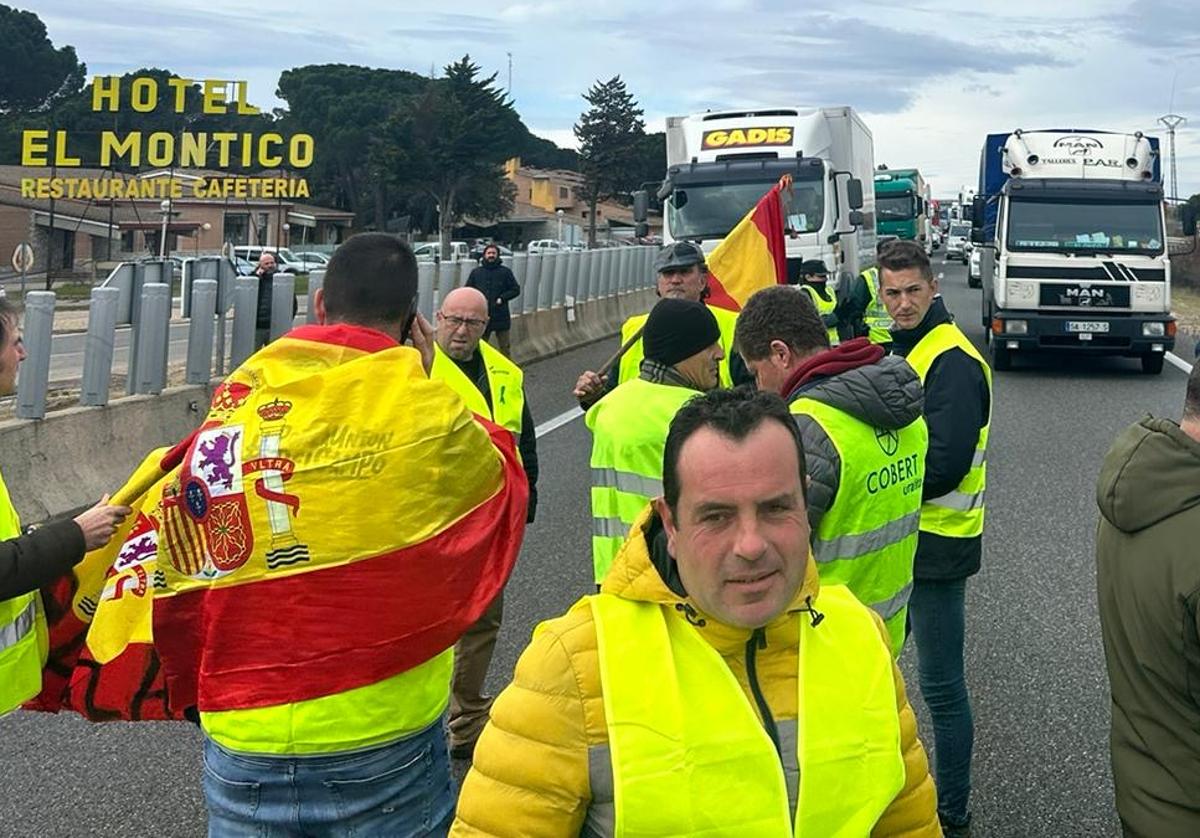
867 539
364 717
824 307
960 513
691 756
24 639
629 432
631 361
876 317
505 382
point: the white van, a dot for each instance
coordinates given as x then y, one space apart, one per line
284 258
432 251
546 246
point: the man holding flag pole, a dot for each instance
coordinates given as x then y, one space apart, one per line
751 257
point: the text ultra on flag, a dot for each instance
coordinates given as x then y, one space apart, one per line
753 256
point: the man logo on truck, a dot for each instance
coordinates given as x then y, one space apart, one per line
1078 146
747 137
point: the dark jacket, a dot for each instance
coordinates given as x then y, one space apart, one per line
957 406
265 283
853 298
884 393
30 561
497 283
1148 578
527 444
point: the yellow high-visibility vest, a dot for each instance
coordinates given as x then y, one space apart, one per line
876 317
24 638
506 382
960 513
690 756
824 307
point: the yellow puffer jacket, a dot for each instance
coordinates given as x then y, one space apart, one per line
542 766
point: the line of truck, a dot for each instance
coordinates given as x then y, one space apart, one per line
1070 224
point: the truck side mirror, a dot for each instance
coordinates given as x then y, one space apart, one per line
856 218
977 210
641 205
641 229
976 235
854 194
1187 217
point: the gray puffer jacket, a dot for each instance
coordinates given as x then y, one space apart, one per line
887 395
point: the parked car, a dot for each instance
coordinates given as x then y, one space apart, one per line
311 259
477 250
546 246
284 258
432 251
958 242
974 272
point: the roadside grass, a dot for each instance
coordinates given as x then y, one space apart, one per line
1185 305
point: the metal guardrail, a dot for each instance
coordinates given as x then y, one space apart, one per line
139 295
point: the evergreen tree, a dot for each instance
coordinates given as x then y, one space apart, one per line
610 134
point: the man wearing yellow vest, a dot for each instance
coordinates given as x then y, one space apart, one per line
814 281
714 686
629 425
682 275
958 406
859 414
492 386
862 311
29 561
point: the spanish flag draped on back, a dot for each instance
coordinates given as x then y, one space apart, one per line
337 519
753 255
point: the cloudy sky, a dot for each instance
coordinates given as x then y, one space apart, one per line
930 79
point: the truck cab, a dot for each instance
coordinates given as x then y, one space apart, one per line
1075 249
902 206
720 163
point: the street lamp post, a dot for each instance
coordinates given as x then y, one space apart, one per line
559 213
287 234
165 209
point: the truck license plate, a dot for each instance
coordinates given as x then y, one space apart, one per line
1087 326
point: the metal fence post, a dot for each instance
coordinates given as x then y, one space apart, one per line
35 370
447 276
533 275
245 315
154 322
98 347
283 298
516 264
574 271
226 278
591 270
426 288
561 265
200 331
608 287
316 281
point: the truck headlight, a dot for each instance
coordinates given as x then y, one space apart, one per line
1016 327
1154 330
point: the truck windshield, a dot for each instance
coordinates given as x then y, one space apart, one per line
710 211
1079 226
895 207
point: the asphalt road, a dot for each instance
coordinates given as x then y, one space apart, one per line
1035 662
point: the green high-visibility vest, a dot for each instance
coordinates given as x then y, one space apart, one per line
629 432
24 638
867 539
506 382
689 755
957 514
876 317
824 307
631 361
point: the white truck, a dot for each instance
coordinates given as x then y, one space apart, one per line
1074 247
720 163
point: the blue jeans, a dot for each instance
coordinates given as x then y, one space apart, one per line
400 789
936 614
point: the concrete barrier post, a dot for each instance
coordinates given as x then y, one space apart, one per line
283 298
154 322
35 370
516 264
426 288
546 289
447 277
98 346
245 314
200 331
316 281
531 282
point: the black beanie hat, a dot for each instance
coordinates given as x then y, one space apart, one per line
677 330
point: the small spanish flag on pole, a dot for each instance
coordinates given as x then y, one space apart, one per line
753 256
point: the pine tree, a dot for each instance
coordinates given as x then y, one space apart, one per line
609 135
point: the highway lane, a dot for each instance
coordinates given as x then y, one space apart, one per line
1035 661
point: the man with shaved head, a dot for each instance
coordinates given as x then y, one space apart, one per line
492 386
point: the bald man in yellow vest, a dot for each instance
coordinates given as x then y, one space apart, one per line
493 387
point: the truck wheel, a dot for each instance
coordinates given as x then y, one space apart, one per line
1001 356
1152 363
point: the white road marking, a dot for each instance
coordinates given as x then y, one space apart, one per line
1176 361
557 422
